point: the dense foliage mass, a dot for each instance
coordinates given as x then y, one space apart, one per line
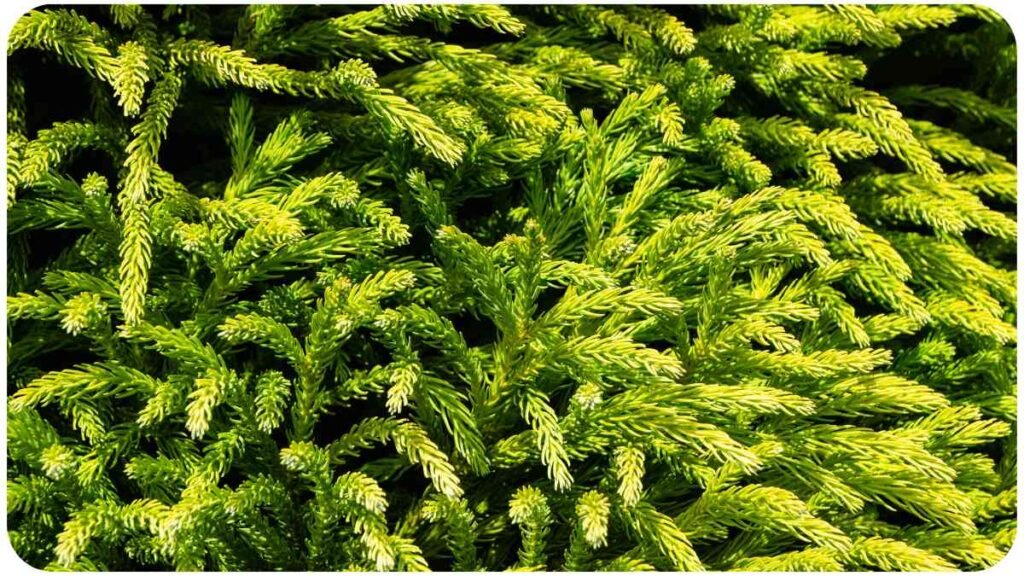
472 287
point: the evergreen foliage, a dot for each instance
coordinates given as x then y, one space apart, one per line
541 287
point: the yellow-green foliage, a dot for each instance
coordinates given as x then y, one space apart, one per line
540 287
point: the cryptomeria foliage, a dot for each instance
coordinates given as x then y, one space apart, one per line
472 287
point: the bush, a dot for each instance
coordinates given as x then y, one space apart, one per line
471 287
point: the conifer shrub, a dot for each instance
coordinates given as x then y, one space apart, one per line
478 288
